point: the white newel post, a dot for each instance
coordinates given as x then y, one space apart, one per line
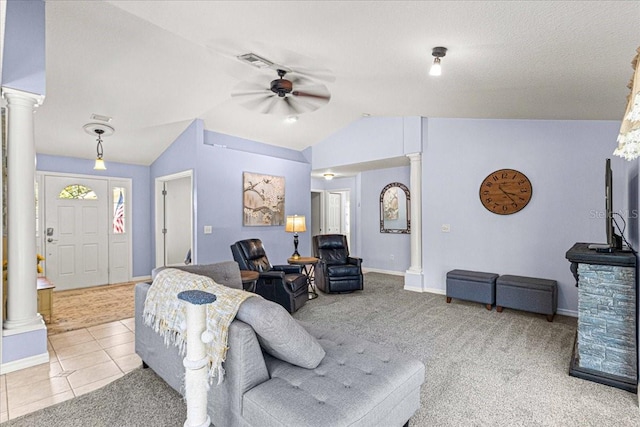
22 306
413 276
195 362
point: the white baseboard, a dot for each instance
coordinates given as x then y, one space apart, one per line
435 291
27 362
378 270
141 279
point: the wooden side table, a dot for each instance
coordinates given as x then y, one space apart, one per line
45 298
249 279
308 268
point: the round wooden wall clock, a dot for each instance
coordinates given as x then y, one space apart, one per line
505 191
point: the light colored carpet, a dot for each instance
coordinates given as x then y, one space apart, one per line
86 307
483 368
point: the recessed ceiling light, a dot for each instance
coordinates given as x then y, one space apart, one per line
291 119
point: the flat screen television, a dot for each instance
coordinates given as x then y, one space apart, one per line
613 240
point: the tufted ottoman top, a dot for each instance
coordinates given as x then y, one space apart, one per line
358 383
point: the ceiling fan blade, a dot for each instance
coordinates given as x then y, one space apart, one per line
252 93
271 105
256 103
322 74
326 97
292 108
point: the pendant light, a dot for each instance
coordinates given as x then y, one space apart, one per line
101 130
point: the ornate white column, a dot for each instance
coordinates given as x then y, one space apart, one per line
22 310
413 276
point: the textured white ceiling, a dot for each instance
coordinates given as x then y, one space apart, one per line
154 66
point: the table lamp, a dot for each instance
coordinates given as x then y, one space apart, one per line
295 224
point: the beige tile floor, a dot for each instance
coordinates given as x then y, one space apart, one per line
79 362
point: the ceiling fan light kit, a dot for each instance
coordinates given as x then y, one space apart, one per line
438 52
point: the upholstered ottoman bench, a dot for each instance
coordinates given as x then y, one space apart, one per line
527 294
473 286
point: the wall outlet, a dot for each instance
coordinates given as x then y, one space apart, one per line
207 229
446 228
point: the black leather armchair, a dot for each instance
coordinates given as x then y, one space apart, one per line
284 284
336 271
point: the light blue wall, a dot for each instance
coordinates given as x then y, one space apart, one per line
180 156
218 161
369 139
24 345
141 198
564 161
23 59
377 247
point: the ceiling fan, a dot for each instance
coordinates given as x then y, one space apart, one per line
293 95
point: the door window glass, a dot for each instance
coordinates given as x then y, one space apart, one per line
78 192
118 210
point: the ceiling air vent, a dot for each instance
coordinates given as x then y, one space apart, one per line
255 60
101 118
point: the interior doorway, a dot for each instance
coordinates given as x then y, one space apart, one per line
331 213
174 219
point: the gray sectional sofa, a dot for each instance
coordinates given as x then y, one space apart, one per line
355 383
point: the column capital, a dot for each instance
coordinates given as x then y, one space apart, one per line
15 94
414 156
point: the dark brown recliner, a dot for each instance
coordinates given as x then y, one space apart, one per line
284 284
336 271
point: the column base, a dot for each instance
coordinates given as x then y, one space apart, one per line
23 325
413 280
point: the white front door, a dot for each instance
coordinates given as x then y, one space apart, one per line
76 231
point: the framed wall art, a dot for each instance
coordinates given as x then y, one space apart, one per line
263 199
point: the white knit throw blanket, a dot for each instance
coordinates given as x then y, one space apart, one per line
166 314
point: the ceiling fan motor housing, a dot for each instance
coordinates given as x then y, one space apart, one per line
281 87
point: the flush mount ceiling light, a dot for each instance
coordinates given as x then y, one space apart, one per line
436 68
101 130
328 176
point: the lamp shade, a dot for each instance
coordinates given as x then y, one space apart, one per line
295 224
99 165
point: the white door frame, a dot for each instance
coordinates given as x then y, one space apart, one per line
128 211
159 215
345 194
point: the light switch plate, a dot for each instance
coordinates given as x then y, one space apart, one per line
207 229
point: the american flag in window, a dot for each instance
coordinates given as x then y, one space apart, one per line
118 210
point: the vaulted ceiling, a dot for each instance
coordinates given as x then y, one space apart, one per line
154 66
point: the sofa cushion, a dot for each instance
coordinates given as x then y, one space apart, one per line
279 334
357 384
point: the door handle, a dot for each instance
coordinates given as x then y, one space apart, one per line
51 240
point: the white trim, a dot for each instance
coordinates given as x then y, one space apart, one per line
434 291
159 212
141 279
39 99
25 329
379 270
27 362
